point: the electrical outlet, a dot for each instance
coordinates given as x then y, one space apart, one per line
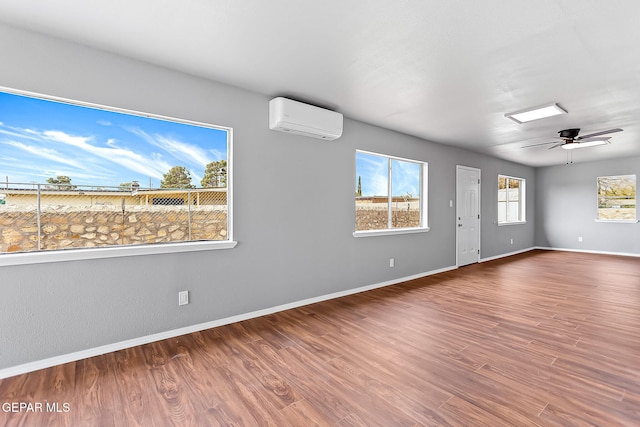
183 297
512 241
580 239
392 262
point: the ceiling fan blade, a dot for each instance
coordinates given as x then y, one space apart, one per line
557 145
537 145
604 132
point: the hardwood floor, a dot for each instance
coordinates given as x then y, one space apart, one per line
542 338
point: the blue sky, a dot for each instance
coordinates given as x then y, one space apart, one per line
40 139
374 172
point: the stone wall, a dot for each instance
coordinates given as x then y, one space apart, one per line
372 218
65 227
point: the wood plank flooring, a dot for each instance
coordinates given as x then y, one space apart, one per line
538 339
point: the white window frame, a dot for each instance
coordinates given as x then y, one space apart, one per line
522 219
25 258
622 221
424 224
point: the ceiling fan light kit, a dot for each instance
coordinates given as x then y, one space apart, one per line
584 144
537 113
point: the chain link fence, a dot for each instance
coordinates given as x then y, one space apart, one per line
42 217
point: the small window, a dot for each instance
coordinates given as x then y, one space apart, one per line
511 199
617 198
390 193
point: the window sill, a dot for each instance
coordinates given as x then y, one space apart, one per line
390 232
23 258
618 221
500 224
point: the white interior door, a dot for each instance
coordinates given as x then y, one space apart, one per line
467 215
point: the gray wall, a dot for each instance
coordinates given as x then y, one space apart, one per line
567 208
293 214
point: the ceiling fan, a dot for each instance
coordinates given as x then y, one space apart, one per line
571 140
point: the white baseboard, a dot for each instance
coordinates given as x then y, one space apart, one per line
507 254
97 351
545 248
631 254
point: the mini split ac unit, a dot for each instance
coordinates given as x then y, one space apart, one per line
286 115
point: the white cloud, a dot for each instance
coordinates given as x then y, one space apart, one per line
378 185
183 151
16 133
123 157
46 153
374 172
217 155
406 178
195 178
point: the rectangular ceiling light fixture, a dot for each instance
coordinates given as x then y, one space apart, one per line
536 113
585 144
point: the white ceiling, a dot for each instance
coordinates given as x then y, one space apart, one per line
443 70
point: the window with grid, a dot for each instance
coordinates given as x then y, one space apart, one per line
86 176
390 193
511 200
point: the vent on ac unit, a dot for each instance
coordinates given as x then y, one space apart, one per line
286 115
